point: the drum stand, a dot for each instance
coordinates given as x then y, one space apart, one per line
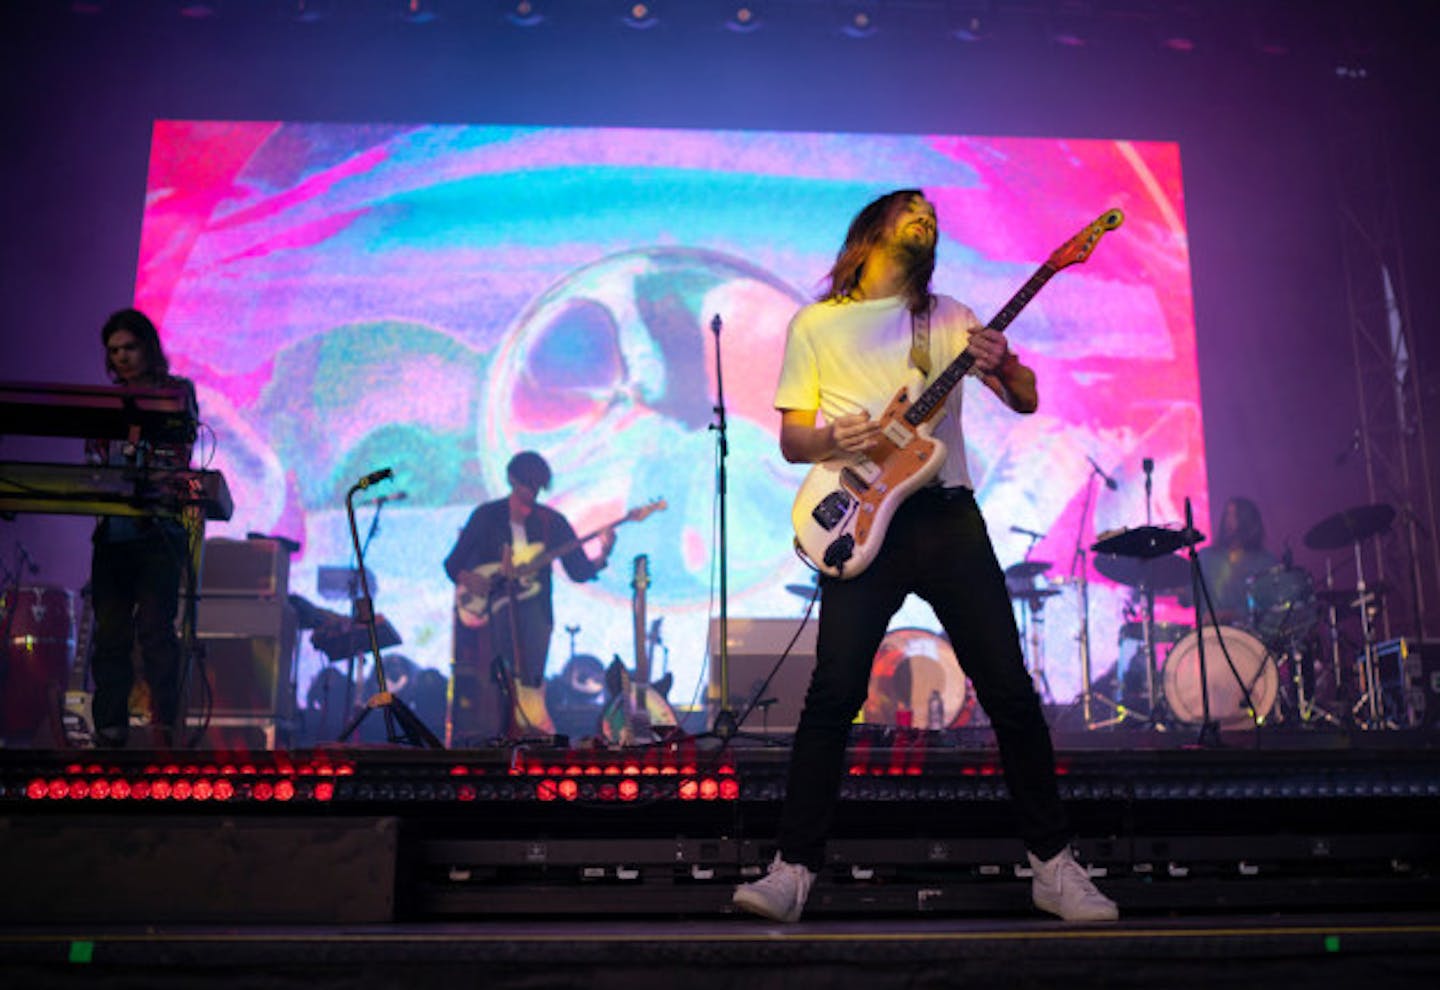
1079 569
1370 700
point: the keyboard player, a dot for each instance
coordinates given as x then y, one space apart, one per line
137 561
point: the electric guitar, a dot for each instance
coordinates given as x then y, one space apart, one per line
637 710
477 590
845 503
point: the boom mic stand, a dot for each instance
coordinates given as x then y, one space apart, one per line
726 724
1209 728
412 730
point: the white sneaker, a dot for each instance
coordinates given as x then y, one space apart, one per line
779 895
1063 888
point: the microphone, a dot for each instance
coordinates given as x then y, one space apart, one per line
374 478
1110 482
715 325
1189 516
382 499
1027 532
1147 465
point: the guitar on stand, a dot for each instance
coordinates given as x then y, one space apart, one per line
638 713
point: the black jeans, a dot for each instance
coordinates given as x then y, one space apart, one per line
938 548
135 588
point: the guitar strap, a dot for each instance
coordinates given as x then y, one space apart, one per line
920 340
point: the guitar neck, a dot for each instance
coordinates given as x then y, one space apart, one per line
930 400
641 582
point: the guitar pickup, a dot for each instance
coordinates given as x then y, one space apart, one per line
832 509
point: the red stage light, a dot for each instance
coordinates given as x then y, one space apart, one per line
465 792
545 790
689 790
730 789
140 790
120 789
182 789
569 790
629 790
57 789
74 768
262 791
204 790
459 770
160 789
284 790
709 789
79 790
36 789
224 790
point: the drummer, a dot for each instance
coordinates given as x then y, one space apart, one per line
1232 559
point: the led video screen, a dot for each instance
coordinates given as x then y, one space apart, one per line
434 299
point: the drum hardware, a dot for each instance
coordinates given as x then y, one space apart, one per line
1021 580
916 682
1352 527
1079 572
1142 559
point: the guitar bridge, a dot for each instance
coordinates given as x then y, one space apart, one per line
832 510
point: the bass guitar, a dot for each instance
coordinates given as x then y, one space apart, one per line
477 591
638 713
845 504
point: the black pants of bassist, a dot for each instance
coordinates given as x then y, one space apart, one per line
936 547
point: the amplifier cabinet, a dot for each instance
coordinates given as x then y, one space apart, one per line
254 568
249 649
754 647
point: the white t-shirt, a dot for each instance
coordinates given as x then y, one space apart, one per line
842 356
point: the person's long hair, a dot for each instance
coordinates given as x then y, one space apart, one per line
865 232
1249 531
157 366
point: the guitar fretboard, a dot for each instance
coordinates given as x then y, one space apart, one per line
923 407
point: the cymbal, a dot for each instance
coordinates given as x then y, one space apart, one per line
1035 596
1157 573
1146 541
805 591
1350 597
1026 569
1350 526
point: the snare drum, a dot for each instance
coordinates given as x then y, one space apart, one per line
916 682
1227 700
40 639
1282 603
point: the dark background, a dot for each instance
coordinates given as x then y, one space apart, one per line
1295 121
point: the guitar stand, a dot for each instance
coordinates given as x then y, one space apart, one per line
412 730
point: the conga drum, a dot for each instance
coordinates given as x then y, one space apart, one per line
39 626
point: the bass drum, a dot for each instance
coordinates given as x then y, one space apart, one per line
1227 700
916 682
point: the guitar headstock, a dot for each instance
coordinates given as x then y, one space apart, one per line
1078 248
645 511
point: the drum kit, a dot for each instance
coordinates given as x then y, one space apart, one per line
1268 664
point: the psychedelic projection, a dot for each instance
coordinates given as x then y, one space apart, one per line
433 299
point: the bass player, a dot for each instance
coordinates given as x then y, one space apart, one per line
845 356
502 624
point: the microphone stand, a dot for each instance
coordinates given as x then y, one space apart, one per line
1081 563
726 724
412 730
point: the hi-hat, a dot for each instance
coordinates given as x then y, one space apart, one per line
805 591
1146 541
1026 569
1156 573
1350 526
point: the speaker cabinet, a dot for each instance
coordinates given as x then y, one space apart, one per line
753 648
1409 673
255 568
249 647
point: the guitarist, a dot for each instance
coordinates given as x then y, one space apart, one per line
519 528
845 357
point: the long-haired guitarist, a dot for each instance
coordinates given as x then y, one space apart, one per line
846 356
504 610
